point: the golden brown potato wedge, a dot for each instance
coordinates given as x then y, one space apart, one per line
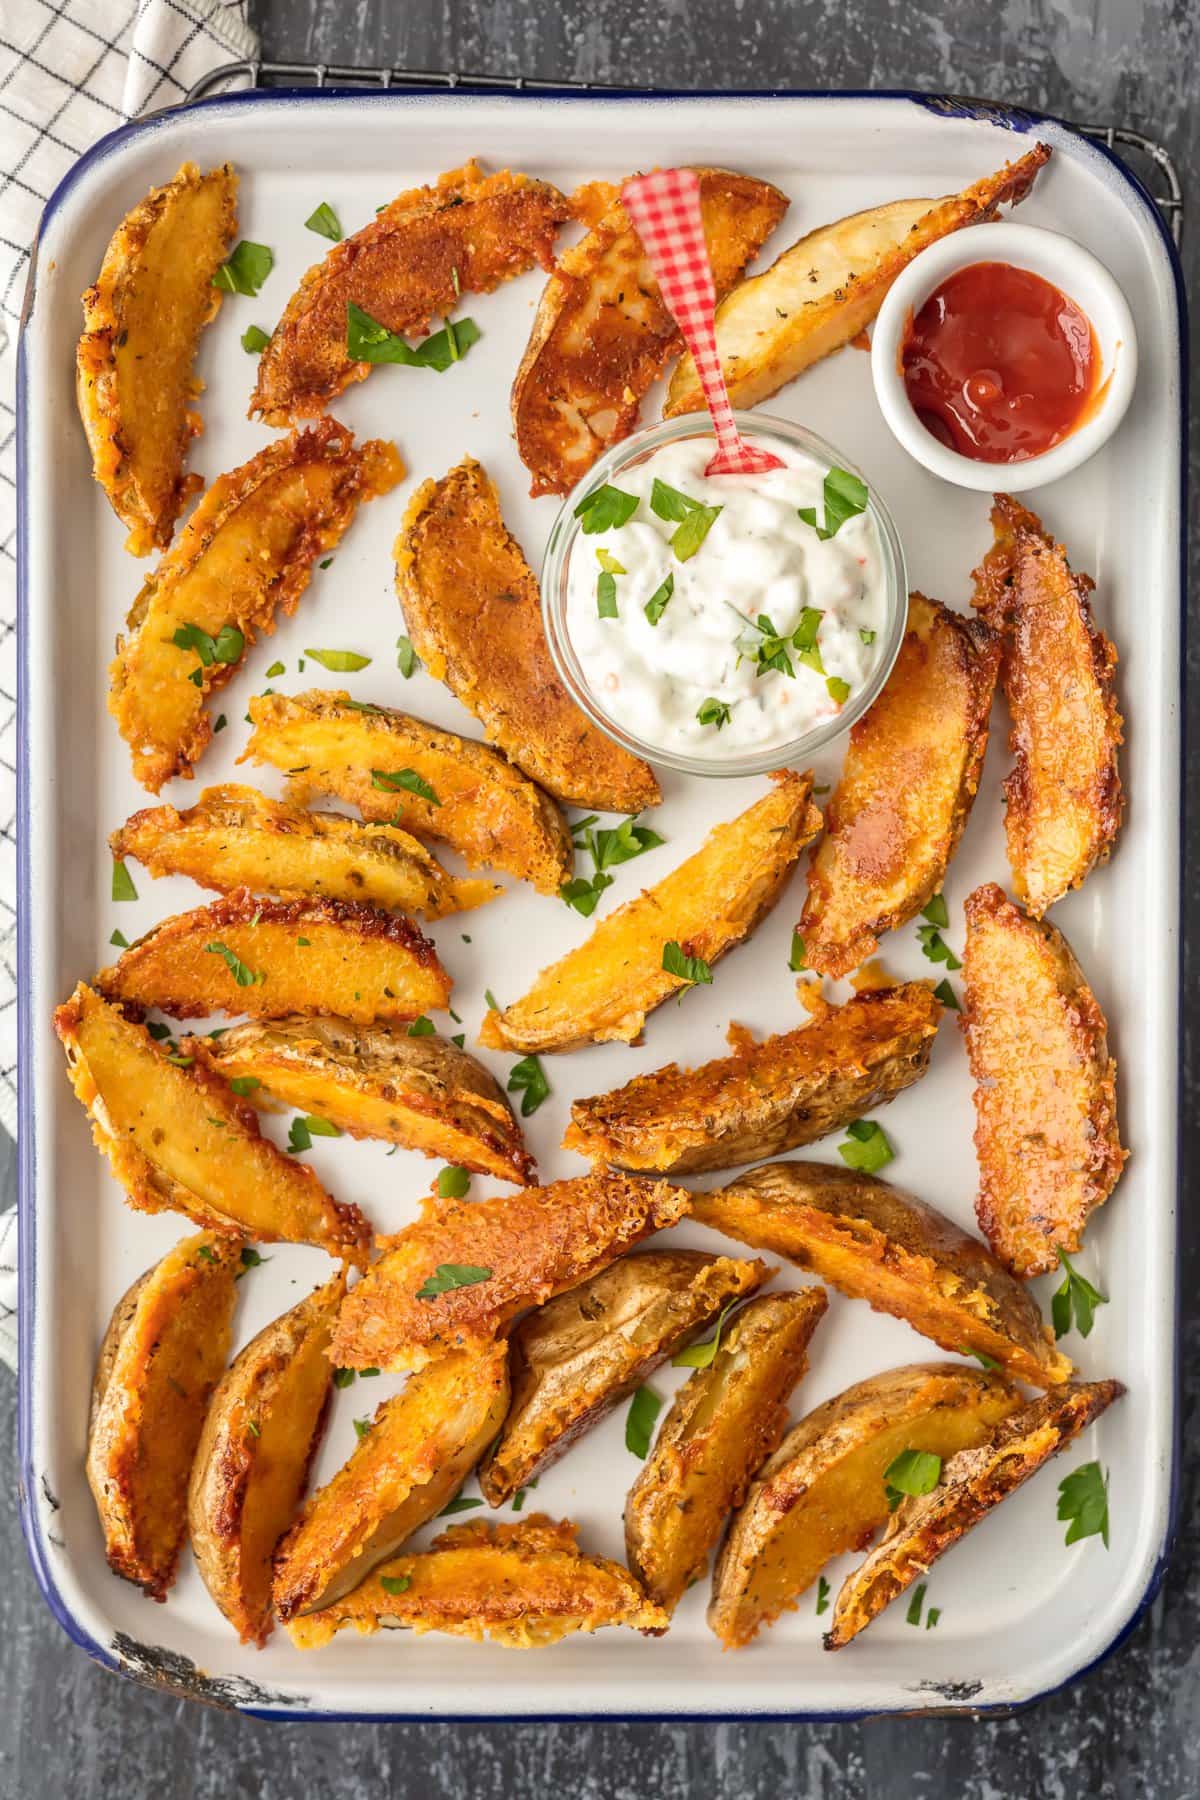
377 1081
829 286
603 989
263 1429
245 554
165 1346
416 1303
583 1353
409 266
1046 1131
472 608
911 770
973 1481
421 1446
270 958
482 807
522 1586
235 837
178 1140
767 1096
879 1244
723 1424
141 325
1063 799
823 1490
602 334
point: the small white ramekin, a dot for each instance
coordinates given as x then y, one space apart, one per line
1071 269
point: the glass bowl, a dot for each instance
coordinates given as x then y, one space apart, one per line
566 532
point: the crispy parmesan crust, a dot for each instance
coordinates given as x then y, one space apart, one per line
245 555
522 1586
585 1351
911 770
235 837
263 1429
421 1446
1064 800
165 1346
375 1081
142 322
356 961
178 1140
925 1526
723 1424
602 334
486 810
466 235
535 1243
472 606
768 1096
879 1244
829 286
1046 1131
603 990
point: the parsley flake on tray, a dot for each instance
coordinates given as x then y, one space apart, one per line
370 342
449 1276
1083 1500
246 269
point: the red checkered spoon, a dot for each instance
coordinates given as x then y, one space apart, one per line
665 209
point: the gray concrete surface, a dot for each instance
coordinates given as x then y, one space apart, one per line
1132 1727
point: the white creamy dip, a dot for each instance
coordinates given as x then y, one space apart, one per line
759 560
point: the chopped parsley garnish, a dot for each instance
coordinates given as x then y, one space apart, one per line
700 1356
912 1472
607 847
421 1027
583 893
606 595
945 993
692 969
644 1409
395 1584
493 1005
804 639
837 689
241 972
796 962
254 340
772 649
369 341
220 725
867 1149
1083 1499
453 1182
343 1378
321 1127
242 1085
251 1258
987 1362
160 1032
394 779
119 941
325 222
932 1617
693 520
276 668
913 1615
254 1428
208 1253
656 605
1076 1299
609 563
933 944
226 647
868 637
605 509
457 1505
449 1276
822 1596
406 657
845 496
361 1427
714 712
528 1078
246 269
339 662
459 1038
298 1137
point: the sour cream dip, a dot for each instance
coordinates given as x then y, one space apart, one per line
719 617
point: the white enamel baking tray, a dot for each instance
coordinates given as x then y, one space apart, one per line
1020 1613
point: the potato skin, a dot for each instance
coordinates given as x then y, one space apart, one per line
723 1424
768 1096
1046 1131
925 1526
422 1445
263 1429
473 610
879 1244
911 770
585 1351
822 1492
522 1586
165 1346
603 990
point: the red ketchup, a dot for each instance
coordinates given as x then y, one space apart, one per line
998 364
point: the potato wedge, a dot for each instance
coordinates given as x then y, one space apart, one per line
521 1586
465 235
1046 1131
829 286
165 1346
483 807
245 554
603 989
602 334
879 1244
415 1303
1064 800
422 1445
587 1350
141 326
263 1429
823 1492
270 958
723 1424
178 1140
472 607
375 1081
235 837
973 1481
911 770
768 1096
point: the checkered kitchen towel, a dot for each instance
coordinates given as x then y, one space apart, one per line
70 71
